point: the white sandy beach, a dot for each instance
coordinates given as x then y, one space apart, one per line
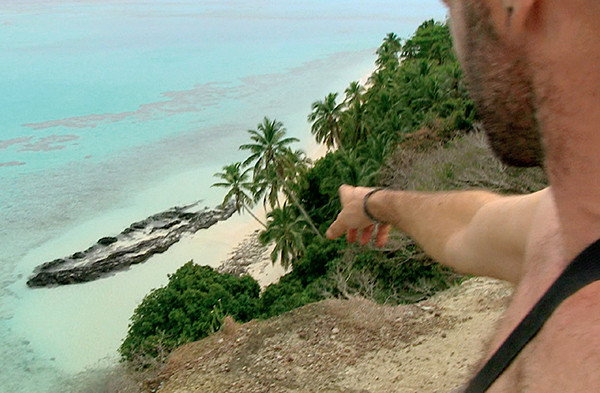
265 272
98 311
122 110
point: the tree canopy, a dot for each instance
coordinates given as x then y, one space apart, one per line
399 129
191 306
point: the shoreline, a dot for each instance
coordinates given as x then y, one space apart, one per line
247 247
98 314
134 245
127 170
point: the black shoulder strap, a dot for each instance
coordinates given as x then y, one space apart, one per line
584 270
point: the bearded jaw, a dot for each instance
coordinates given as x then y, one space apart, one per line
500 83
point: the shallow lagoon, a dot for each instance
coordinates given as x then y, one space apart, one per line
113 111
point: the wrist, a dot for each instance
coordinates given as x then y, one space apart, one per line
369 210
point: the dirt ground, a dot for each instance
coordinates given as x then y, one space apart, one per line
352 346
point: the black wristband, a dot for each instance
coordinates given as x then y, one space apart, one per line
376 221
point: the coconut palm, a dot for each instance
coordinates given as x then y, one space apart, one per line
285 229
269 145
267 186
293 168
388 54
431 41
354 113
296 167
392 42
354 94
325 119
236 180
352 170
270 155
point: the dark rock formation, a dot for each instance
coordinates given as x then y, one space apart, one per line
107 241
133 245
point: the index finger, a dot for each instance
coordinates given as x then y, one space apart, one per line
336 229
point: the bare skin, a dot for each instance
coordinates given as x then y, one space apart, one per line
542 58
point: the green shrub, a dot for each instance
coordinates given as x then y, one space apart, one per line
191 306
409 131
286 295
314 263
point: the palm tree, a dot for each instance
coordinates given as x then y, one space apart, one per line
267 187
352 169
431 41
270 155
285 229
388 54
354 94
296 167
269 145
392 42
325 119
375 150
354 112
236 180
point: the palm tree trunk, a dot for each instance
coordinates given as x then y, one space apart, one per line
290 194
256 218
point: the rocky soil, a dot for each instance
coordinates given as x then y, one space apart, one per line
352 345
247 254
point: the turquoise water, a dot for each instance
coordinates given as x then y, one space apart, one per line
114 110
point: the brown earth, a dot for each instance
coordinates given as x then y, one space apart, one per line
352 346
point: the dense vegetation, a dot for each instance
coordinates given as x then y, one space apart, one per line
191 306
408 129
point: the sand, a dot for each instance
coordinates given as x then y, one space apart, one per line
87 322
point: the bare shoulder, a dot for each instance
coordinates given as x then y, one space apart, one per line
564 357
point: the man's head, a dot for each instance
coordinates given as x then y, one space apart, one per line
500 82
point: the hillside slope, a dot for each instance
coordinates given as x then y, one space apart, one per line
346 346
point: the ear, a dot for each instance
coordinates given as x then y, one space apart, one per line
525 14
515 18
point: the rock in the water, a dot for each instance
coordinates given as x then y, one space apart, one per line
136 244
107 241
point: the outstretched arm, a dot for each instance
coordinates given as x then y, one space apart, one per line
475 232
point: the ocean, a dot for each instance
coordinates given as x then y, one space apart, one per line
111 111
